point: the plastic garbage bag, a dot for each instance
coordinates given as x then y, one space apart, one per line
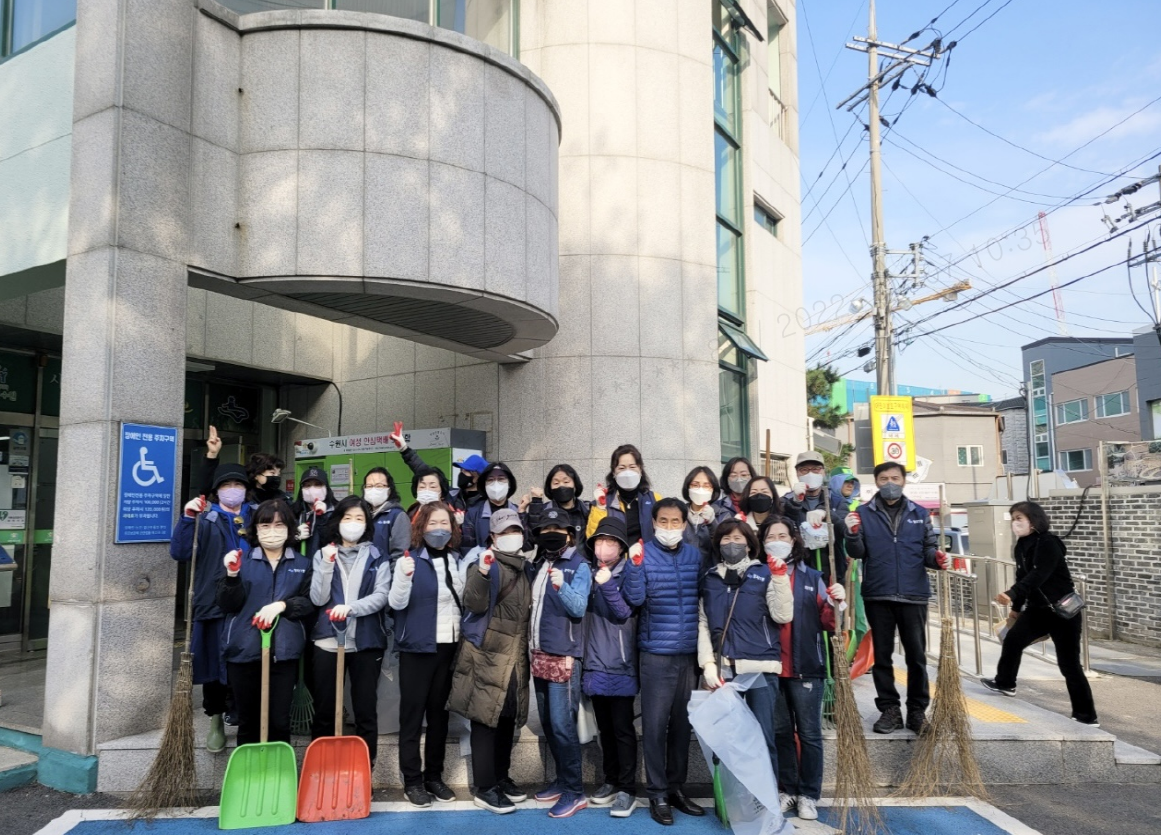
387 697
726 728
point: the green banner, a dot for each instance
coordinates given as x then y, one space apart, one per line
17 383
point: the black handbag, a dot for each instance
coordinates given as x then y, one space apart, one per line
1068 606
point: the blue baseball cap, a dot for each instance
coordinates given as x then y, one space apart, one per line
473 464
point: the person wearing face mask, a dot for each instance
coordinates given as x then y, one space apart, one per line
844 492
313 509
1042 578
390 525
490 682
428 486
759 502
426 598
266 585
499 487
263 471
349 584
221 527
465 494
800 685
743 598
610 668
626 495
736 474
662 583
562 490
805 504
560 596
702 492
894 538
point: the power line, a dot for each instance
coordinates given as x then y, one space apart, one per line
981 23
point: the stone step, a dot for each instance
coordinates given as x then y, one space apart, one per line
16 768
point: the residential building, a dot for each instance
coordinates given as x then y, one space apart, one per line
846 393
1147 347
1013 413
962 442
567 223
1093 403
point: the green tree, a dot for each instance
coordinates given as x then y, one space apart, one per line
843 459
819 381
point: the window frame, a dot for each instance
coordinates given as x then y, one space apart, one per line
1063 463
1059 410
741 375
967 450
766 218
1102 399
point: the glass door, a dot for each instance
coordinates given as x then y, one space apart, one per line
43 502
15 466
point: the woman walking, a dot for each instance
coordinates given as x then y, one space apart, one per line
1042 579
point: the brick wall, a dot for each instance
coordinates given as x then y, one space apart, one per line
1135 523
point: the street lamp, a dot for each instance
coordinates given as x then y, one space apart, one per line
281 415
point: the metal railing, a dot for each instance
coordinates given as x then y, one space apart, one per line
971 606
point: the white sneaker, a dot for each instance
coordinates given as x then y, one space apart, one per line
807 809
787 802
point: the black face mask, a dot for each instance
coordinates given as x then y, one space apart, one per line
759 503
552 542
466 483
562 495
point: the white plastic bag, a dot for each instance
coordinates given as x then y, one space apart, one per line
815 537
726 727
586 721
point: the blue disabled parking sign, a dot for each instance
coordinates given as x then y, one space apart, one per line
147 488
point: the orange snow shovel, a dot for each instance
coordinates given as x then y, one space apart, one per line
336 774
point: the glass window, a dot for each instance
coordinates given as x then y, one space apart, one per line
774 23
1111 405
725 87
252 6
727 178
410 9
489 21
767 220
1155 411
970 456
1036 370
33 19
730 271
1075 460
732 403
1073 411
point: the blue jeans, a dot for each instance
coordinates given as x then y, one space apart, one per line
558 704
762 702
800 711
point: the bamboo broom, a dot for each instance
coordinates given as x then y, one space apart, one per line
854 787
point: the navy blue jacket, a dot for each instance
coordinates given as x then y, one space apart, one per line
372 632
665 589
752 635
217 536
415 623
477 519
382 525
895 557
611 628
559 632
645 502
839 509
808 654
257 585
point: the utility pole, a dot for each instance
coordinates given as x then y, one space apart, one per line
900 58
1150 253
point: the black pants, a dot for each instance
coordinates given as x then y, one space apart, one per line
618 741
492 752
425 680
666 684
910 620
215 698
1065 634
246 682
362 671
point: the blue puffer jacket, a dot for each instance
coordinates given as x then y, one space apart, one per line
895 557
257 585
665 589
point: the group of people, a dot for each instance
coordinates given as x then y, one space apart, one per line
493 600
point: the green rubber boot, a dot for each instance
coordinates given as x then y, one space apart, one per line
216 738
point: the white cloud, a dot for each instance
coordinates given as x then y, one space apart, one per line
1085 126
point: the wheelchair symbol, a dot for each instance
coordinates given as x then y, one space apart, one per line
146 467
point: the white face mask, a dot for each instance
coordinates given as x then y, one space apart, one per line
497 490
510 543
427 496
628 479
812 480
778 548
1021 528
669 537
273 539
310 495
351 531
700 495
375 496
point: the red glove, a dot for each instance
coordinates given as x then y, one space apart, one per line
329 552
459 514
195 506
853 522
741 517
942 560
637 552
397 436
777 565
233 562
486 561
339 612
320 507
599 494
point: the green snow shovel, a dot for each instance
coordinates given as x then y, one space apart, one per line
261 783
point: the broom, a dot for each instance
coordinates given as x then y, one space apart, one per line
172 779
828 682
854 779
301 704
945 757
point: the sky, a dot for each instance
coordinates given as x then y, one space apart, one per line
1051 77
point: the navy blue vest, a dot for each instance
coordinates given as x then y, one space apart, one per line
752 635
610 642
808 650
264 585
416 624
371 633
560 633
645 501
381 533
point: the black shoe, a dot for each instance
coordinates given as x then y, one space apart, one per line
891 720
438 789
917 722
511 791
679 801
231 719
416 796
660 811
990 683
494 800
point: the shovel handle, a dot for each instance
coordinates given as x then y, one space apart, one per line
340 628
264 710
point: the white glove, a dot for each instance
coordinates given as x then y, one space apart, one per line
853 522
799 490
233 562
303 531
837 593
816 517
405 567
320 507
329 553
556 577
340 612
712 679
195 506
603 576
486 560
704 516
268 613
